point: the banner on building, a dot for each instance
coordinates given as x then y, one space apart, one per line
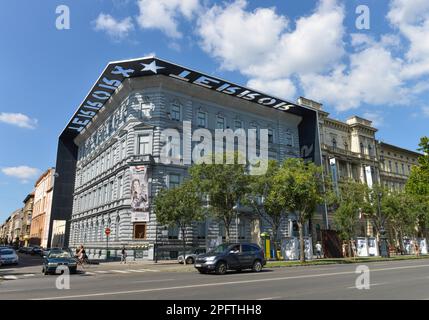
368 174
139 194
334 173
423 246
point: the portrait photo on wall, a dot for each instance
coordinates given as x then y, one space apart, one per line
139 189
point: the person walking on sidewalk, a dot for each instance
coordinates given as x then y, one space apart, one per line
124 255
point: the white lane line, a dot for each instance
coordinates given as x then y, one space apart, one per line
370 285
90 273
145 281
10 277
119 271
269 298
221 283
101 271
136 270
150 270
29 275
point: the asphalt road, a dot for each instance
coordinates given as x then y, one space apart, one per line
388 280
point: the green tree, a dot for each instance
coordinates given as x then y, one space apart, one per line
298 189
179 206
350 205
263 200
225 185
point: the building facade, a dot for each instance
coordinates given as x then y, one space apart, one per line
350 150
41 216
119 155
27 212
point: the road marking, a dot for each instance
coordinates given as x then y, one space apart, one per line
150 270
90 273
269 298
220 284
101 271
160 280
136 270
119 271
370 285
10 277
29 275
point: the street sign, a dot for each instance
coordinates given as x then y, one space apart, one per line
107 231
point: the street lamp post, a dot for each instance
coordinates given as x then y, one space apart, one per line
156 243
383 245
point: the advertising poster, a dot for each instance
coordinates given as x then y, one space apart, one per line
368 175
373 247
362 247
408 246
289 248
334 174
139 194
423 246
308 248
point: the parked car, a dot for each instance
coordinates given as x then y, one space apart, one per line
36 250
191 256
8 256
21 249
28 250
234 256
56 258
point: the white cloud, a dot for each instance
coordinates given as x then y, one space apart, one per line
376 117
164 14
114 28
18 119
282 88
261 45
21 172
425 111
373 76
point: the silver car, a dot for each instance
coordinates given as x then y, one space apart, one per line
191 256
8 256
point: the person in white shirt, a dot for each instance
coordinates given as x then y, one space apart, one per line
318 250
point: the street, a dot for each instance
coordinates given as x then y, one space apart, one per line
388 280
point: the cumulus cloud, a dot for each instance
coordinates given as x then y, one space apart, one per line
164 15
376 117
114 28
262 45
18 119
24 173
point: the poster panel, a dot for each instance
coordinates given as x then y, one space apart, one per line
423 246
139 194
362 247
289 248
373 247
368 175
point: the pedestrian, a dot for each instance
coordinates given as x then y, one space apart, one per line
123 255
416 248
344 249
318 250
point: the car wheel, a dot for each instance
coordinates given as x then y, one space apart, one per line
221 268
45 272
189 260
257 266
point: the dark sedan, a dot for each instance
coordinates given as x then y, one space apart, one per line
231 257
59 258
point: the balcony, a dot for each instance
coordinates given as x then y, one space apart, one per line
340 151
140 159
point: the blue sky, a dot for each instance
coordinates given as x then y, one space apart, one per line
286 48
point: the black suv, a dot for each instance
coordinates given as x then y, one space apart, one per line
236 256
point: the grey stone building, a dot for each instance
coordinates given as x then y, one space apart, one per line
114 147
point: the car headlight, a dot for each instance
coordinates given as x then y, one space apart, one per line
52 264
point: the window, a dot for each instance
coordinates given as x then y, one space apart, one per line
346 146
110 191
403 168
120 187
220 122
175 112
270 136
143 147
139 231
201 230
100 196
238 124
241 231
124 150
390 166
173 180
248 248
334 142
369 150
362 149
202 119
173 232
396 167
289 139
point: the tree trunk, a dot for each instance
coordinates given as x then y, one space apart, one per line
401 243
301 241
184 245
350 249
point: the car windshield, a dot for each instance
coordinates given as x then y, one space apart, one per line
220 248
5 252
59 254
